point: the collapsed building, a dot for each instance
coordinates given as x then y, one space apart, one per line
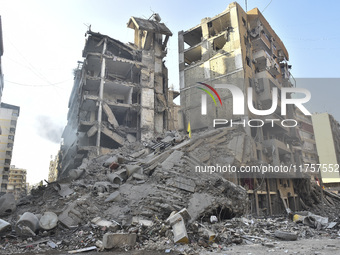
240 48
120 96
120 93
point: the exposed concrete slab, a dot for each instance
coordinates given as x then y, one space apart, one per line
113 135
111 117
172 160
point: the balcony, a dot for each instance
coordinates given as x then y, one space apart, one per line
261 42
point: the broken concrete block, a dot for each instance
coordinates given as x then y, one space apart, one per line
110 160
4 227
7 204
122 173
74 174
178 228
183 183
131 138
111 240
115 178
138 176
64 189
101 187
287 236
114 226
185 214
27 225
172 160
138 221
131 169
115 196
209 234
168 139
48 221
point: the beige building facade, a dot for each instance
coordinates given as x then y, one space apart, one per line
8 121
327 137
17 184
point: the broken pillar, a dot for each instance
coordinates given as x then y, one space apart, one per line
48 221
27 225
7 204
5 227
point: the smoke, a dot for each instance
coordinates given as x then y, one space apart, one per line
49 129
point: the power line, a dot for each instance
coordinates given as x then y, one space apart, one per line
33 85
267 6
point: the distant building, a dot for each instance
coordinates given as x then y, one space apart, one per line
327 137
307 149
17 182
53 169
8 122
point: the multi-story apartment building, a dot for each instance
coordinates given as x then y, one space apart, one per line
307 149
120 92
8 120
241 48
327 137
17 182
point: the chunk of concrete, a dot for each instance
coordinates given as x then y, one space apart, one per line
287 236
64 189
112 240
101 187
75 174
115 178
122 173
109 161
7 204
114 226
131 169
131 138
172 160
137 220
178 228
27 225
5 227
48 221
115 196
138 176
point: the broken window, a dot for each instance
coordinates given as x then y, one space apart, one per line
13 122
219 42
248 61
219 25
193 37
193 55
244 22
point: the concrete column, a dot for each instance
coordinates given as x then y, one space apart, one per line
101 92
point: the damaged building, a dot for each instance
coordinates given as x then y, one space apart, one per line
240 48
120 92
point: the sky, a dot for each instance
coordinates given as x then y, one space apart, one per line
43 40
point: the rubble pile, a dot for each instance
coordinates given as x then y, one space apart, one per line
147 196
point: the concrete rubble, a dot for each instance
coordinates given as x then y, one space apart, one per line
154 200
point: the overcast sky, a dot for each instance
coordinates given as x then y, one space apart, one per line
43 40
